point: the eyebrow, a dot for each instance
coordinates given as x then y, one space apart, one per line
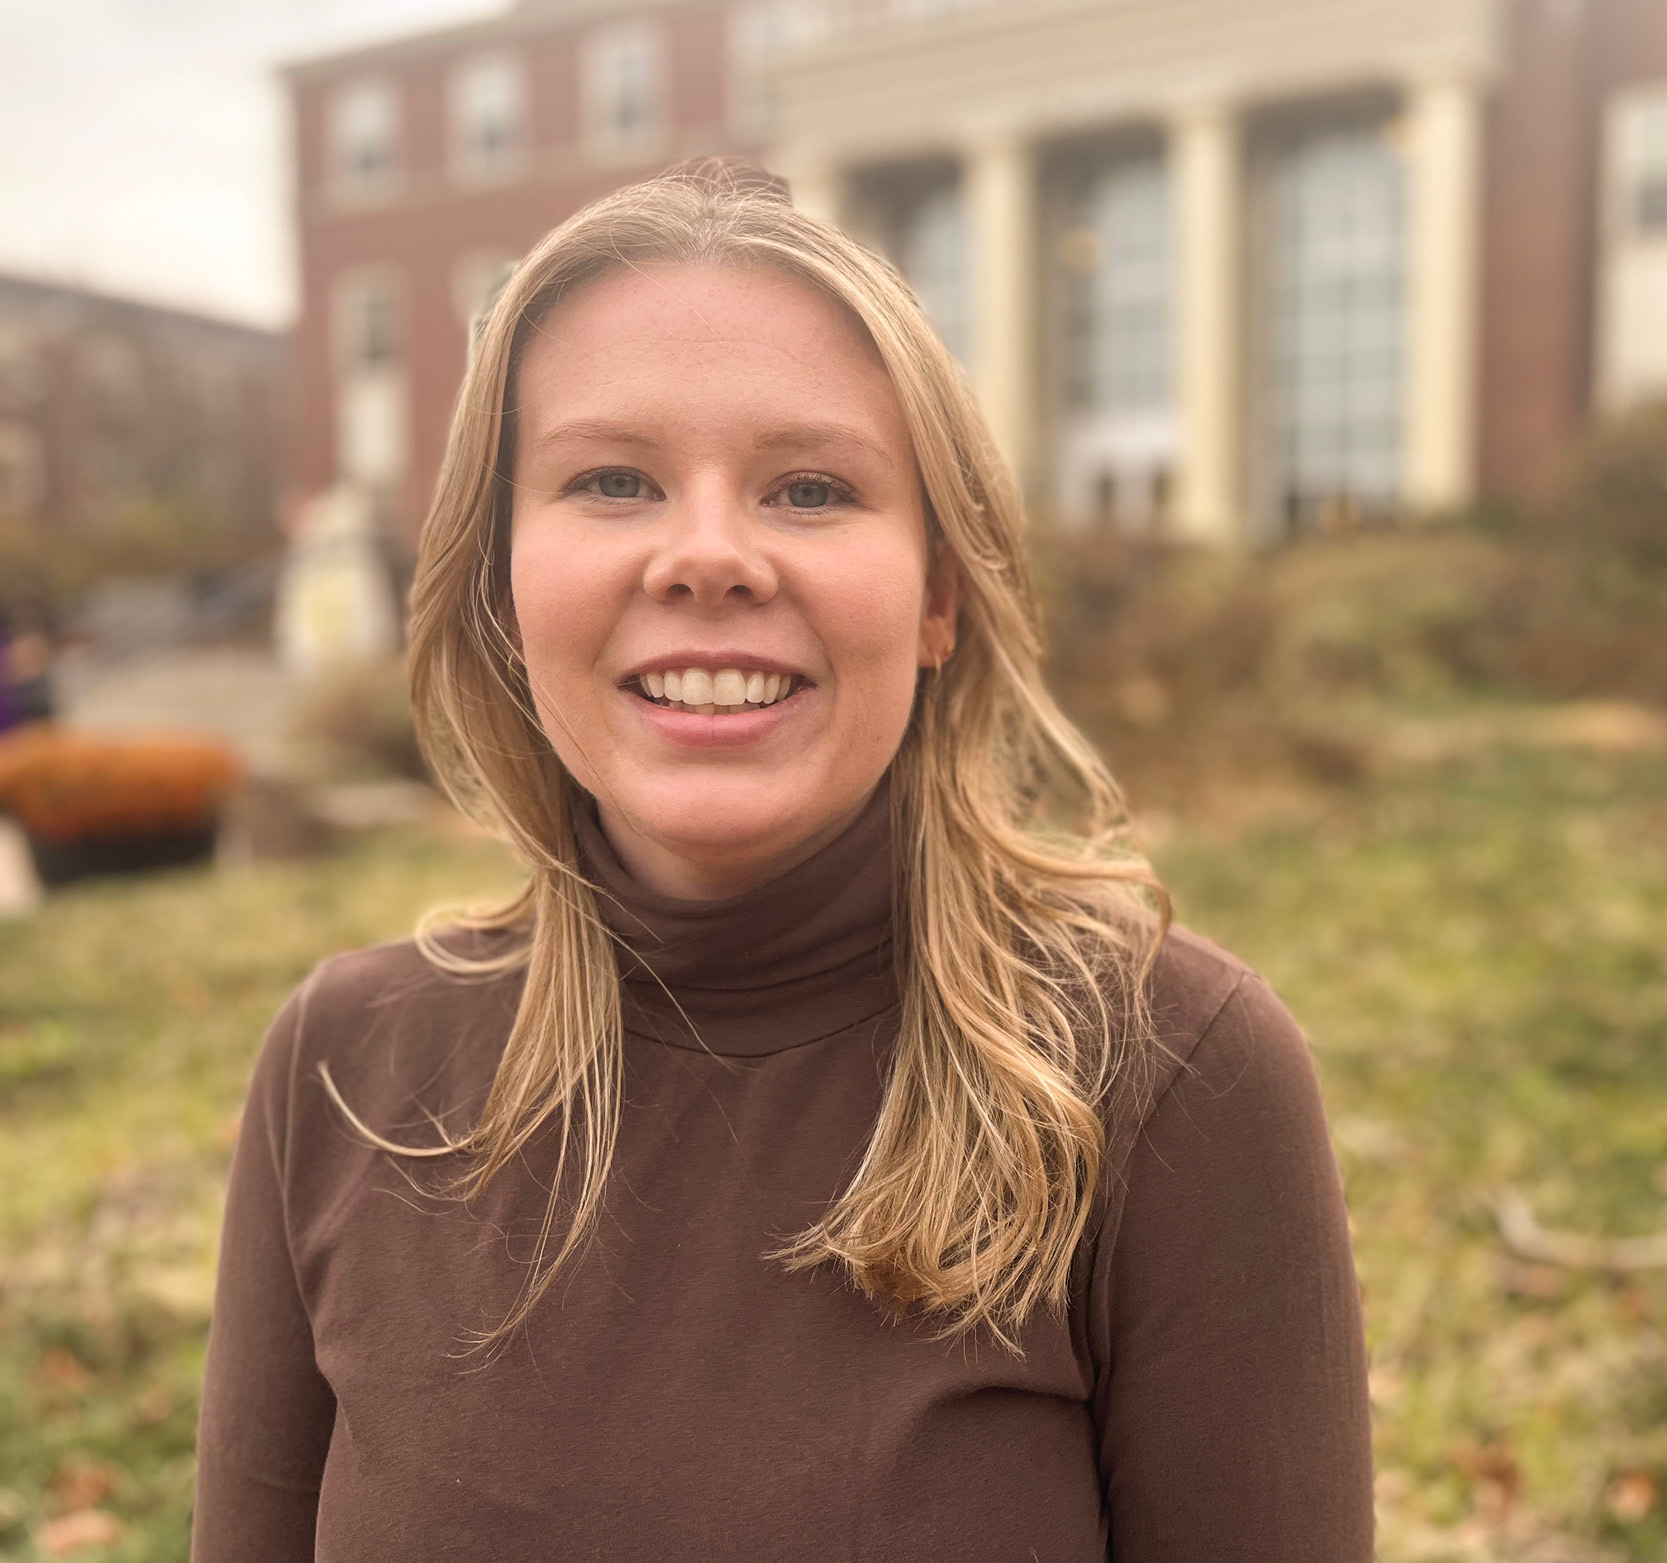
596 433
797 435
824 434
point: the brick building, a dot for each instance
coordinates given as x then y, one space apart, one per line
106 404
1232 269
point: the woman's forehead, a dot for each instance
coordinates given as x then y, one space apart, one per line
656 346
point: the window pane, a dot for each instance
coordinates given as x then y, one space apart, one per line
364 137
1335 300
1117 256
488 106
624 84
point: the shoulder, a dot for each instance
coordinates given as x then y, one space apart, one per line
1231 1127
389 1017
1218 1031
1191 983
403 981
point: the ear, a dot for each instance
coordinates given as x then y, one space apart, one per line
941 610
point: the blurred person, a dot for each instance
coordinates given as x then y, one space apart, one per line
25 668
833 1152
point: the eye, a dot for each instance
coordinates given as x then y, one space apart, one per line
619 485
806 494
810 491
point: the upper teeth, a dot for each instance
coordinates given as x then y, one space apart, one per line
726 690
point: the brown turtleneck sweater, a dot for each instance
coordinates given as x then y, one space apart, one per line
677 1395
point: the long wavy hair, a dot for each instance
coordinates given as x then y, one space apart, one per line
1025 925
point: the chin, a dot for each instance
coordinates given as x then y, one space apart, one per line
738 819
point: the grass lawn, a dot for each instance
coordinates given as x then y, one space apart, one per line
1478 953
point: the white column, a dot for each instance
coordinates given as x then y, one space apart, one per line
1207 163
818 186
1444 149
999 189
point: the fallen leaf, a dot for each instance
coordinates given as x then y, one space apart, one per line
157 1404
61 1369
1495 1479
81 1483
1631 1497
1537 1283
79 1532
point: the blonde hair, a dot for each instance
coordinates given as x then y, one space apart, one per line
1024 925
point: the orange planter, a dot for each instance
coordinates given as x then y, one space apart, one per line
65 787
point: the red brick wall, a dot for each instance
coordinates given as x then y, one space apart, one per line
1537 252
1633 41
1563 61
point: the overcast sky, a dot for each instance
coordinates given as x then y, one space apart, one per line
144 144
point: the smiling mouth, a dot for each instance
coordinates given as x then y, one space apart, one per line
725 692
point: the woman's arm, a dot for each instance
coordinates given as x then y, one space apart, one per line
267 1412
1232 1410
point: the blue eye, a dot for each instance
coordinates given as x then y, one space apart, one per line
619 485
807 495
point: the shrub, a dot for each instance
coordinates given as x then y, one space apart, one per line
357 721
1611 506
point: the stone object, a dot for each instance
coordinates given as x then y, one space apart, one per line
20 886
335 604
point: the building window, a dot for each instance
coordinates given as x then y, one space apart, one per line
21 378
1114 339
761 32
366 322
372 433
1116 255
932 253
22 471
624 87
1639 160
1632 342
1334 259
476 280
364 139
914 216
488 110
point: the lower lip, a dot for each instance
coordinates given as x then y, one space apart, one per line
692 730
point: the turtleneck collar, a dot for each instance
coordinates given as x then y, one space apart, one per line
795 960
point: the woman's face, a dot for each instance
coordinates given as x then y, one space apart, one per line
719 567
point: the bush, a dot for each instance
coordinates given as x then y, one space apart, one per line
51 567
357 722
1269 651
1610 510
1148 637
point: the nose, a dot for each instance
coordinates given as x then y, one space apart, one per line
708 553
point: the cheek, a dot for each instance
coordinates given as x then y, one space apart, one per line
870 610
557 594
561 603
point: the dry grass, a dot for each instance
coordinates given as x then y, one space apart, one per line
1472 941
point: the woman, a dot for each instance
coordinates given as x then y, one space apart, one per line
828 1156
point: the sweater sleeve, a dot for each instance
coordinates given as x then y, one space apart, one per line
267 1412
1231 1388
